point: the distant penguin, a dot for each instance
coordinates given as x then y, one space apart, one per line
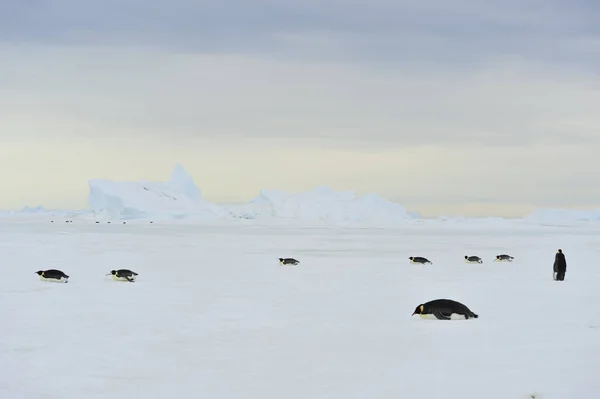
419 259
560 266
444 309
123 275
53 275
288 261
504 258
473 259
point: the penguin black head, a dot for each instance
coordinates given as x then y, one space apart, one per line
411 257
39 272
560 251
280 259
113 272
418 310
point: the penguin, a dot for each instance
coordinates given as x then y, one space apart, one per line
53 275
444 309
288 261
473 259
419 259
560 266
504 258
123 275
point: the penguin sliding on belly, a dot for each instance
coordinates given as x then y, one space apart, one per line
419 259
123 275
444 309
473 259
53 275
504 258
288 261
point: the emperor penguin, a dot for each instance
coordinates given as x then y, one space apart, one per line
504 258
444 309
53 275
123 275
473 259
419 259
288 261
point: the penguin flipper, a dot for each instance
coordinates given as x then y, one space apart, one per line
440 315
129 279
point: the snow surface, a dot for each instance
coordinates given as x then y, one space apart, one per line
213 315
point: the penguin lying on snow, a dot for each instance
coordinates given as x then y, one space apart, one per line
123 275
473 259
504 258
288 261
444 309
419 259
53 275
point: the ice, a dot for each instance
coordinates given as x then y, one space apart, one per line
551 215
177 198
213 315
324 204
180 197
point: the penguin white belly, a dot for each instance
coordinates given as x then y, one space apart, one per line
122 278
53 280
472 261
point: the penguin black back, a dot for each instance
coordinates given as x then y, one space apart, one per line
443 309
123 275
419 259
52 274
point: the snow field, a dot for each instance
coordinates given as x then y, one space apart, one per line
214 315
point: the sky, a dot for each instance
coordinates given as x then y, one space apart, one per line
476 108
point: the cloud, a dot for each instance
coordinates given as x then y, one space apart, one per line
488 102
400 31
188 96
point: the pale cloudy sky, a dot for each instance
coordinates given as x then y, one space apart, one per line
448 107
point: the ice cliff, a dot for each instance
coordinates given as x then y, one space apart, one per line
324 205
177 198
180 197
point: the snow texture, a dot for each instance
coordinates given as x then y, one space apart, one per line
214 315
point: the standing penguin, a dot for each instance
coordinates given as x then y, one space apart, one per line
560 266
